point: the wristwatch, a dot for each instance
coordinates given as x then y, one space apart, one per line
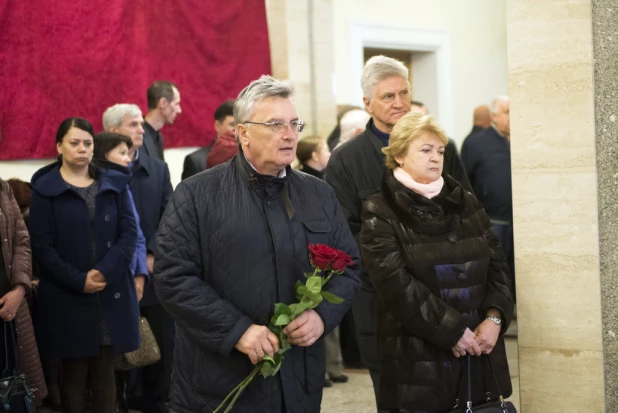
495 319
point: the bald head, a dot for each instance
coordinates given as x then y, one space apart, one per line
482 117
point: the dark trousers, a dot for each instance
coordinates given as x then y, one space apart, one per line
156 377
504 232
93 376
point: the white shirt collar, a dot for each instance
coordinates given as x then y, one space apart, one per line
282 173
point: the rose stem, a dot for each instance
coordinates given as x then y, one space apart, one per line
242 388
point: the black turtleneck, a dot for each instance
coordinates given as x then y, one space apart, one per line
313 172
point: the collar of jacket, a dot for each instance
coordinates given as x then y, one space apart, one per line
268 186
434 216
143 160
48 182
255 178
377 142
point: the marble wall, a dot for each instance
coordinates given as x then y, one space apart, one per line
555 202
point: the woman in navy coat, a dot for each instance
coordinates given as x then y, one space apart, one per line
84 234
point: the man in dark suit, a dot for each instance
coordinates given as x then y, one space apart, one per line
195 162
163 107
151 188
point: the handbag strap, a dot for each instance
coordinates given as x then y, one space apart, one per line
493 374
467 371
9 328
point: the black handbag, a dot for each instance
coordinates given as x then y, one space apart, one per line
490 406
15 394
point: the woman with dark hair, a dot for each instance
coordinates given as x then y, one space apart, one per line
114 148
84 235
312 153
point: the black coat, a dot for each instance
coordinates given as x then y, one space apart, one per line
228 250
67 322
437 267
454 167
487 158
151 189
355 171
195 162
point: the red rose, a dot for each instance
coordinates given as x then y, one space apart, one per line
322 256
342 261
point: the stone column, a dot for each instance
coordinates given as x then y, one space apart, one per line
563 86
301 33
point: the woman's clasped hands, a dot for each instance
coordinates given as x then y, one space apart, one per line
481 341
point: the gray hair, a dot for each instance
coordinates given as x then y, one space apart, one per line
114 115
379 68
494 107
264 87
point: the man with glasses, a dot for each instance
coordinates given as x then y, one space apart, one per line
232 243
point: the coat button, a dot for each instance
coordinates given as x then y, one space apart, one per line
117 296
109 244
107 218
452 238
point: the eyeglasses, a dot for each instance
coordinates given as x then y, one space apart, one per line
278 126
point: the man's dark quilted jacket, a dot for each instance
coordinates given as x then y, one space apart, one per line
437 267
228 251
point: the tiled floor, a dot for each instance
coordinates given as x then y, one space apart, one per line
356 396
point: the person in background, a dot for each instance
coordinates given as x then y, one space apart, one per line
441 276
352 124
226 145
333 138
151 189
312 153
452 162
114 148
83 235
195 162
481 120
163 107
487 158
355 171
15 283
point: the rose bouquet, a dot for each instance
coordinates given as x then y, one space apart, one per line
327 263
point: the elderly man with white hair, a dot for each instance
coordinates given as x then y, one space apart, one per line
355 171
151 188
232 243
487 158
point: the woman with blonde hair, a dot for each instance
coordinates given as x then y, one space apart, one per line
442 279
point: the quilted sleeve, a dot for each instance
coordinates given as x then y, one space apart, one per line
347 284
197 308
408 300
22 257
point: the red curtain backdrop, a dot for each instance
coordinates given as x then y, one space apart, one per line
60 59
